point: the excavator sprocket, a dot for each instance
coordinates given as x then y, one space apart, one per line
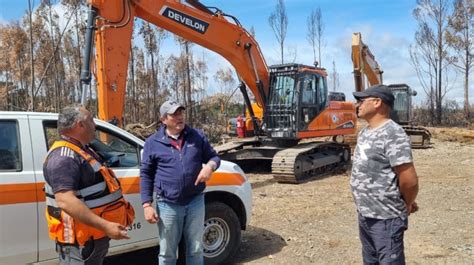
309 160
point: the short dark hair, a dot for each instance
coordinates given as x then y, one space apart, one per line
69 116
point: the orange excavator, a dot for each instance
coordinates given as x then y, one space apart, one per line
365 66
293 97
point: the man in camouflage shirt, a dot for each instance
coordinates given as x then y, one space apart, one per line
384 182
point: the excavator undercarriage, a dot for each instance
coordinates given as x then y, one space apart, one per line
304 161
295 164
420 137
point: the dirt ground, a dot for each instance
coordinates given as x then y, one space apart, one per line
315 222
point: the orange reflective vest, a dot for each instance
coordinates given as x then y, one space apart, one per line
111 206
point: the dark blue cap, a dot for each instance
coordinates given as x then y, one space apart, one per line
378 91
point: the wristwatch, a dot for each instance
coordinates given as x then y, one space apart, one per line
212 166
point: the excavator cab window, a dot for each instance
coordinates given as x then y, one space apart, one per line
309 93
281 107
313 98
284 90
401 107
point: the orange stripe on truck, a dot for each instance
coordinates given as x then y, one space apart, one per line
33 192
225 179
130 185
21 193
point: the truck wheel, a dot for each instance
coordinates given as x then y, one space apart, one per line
221 233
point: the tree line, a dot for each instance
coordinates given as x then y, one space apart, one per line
444 42
40 62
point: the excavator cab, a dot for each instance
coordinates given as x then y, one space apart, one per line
401 112
297 107
298 94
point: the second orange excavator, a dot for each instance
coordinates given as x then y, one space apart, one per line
293 97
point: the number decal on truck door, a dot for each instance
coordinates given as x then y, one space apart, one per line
135 226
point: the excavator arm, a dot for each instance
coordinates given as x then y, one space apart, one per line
192 21
364 64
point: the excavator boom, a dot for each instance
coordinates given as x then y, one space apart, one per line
365 65
192 22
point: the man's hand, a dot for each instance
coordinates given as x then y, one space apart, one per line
150 214
412 208
116 231
204 174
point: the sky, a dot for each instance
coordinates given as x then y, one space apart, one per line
387 27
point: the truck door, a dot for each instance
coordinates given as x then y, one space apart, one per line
18 192
43 133
123 156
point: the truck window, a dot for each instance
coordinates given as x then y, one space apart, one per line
115 151
10 156
50 132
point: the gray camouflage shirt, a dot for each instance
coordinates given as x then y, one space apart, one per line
374 183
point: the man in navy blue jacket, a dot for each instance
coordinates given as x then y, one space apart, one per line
172 166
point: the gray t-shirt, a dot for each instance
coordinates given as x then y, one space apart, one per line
374 183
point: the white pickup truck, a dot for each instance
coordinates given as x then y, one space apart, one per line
24 141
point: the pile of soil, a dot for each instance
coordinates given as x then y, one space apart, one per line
461 135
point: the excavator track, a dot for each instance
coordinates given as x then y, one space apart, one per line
309 160
420 137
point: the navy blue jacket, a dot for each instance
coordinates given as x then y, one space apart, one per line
170 172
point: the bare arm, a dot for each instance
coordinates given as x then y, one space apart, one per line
69 203
408 182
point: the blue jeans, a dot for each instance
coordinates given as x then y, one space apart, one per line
382 240
176 221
